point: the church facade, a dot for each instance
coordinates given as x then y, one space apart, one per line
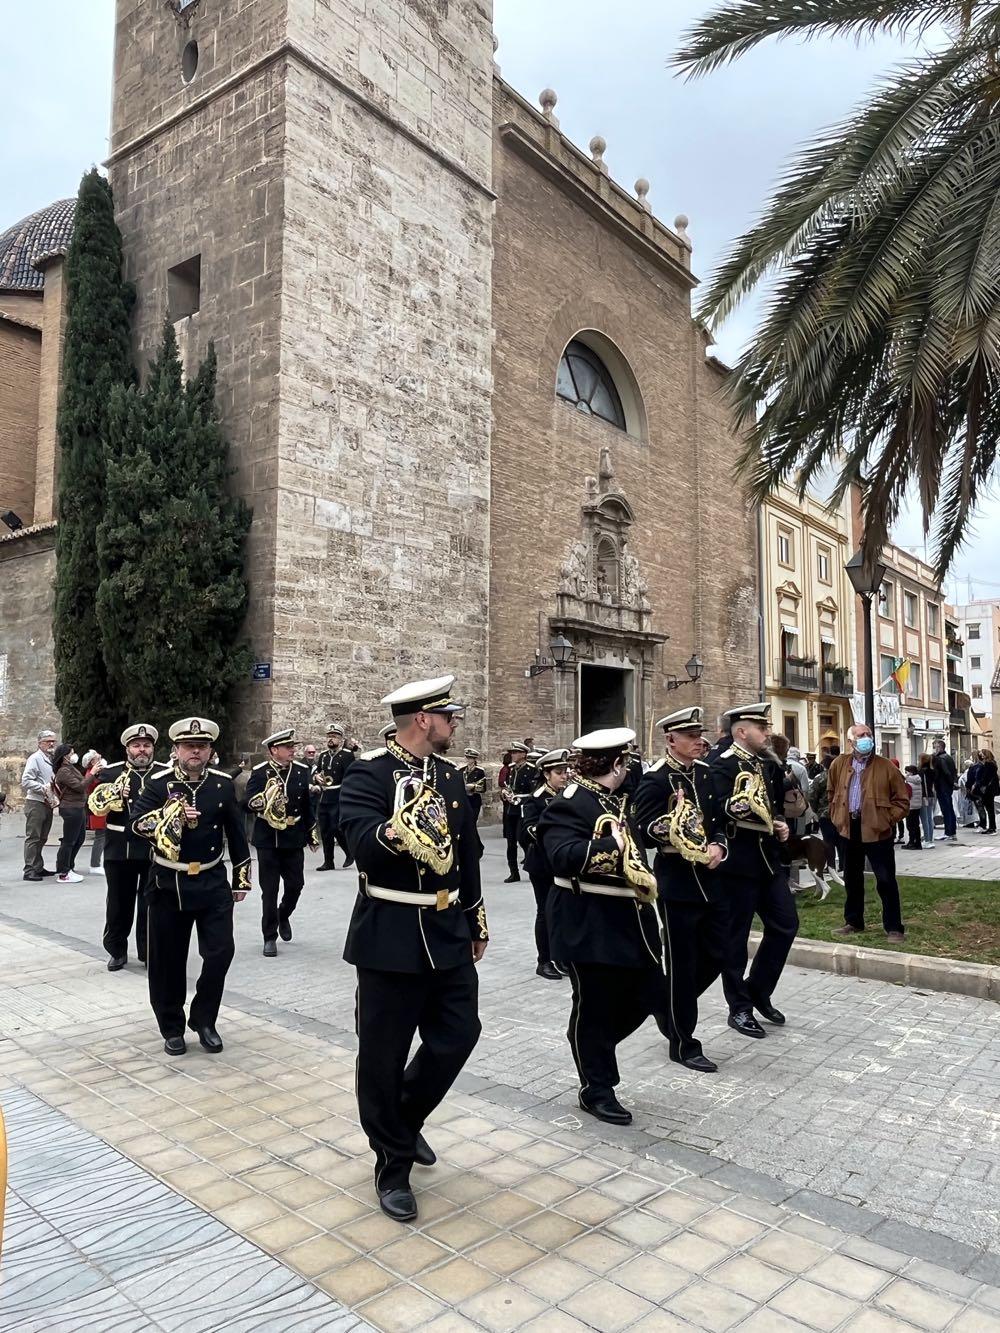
463 389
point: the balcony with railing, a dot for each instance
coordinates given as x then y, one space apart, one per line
798 673
955 681
838 681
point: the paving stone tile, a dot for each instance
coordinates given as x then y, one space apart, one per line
921 1306
649 1277
554 1278
502 1307
711 1307
462 1230
606 1307
318 1255
814 1306
942 1279
354 1282
858 1281
548 1230
590 1207
727 1227
598 1251
401 1309
505 1255
749 1277
456 1280
640 1228
692 1252
790 1252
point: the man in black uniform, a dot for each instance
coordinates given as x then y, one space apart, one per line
674 812
126 856
746 792
475 781
278 795
519 783
333 764
633 773
185 810
601 918
554 768
417 931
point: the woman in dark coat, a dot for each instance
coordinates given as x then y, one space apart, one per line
988 789
70 786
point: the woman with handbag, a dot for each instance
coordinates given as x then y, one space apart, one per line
987 789
928 798
70 786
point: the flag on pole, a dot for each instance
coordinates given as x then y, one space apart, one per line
901 673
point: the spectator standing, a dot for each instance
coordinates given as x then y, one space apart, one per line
71 788
925 765
987 789
93 763
39 803
901 825
915 788
820 800
945 783
868 796
969 780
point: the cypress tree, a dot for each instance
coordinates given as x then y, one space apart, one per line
170 548
96 359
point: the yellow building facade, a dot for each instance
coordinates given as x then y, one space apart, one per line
807 609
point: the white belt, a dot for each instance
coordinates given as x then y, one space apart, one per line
439 901
115 828
188 867
752 828
331 786
588 886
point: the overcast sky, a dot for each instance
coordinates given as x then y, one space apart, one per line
710 149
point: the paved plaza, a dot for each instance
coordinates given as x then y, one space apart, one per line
842 1174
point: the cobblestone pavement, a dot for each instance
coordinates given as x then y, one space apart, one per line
524 1224
873 1094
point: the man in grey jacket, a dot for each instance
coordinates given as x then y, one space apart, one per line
36 783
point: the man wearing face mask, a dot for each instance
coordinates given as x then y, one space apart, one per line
602 923
126 855
868 797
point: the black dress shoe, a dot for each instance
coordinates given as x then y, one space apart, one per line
175 1045
325 866
549 971
347 864
285 930
768 1010
400 1205
513 879
424 1154
745 1022
32 876
270 949
209 1038
116 964
45 874
701 1064
607 1108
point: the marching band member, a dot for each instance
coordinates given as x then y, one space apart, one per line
333 763
554 768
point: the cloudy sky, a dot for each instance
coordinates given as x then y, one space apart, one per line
710 149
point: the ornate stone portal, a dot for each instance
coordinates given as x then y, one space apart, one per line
603 606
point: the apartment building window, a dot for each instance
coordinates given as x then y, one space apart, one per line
885 665
910 609
977 691
823 564
973 632
932 618
914 683
887 600
785 548
790 727
975 664
935 685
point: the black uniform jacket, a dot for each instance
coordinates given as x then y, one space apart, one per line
678 879
475 784
633 776
400 937
587 927
220 822
535 861
295 780
121 844
332 764
746 795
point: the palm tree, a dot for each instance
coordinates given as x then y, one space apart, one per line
879 348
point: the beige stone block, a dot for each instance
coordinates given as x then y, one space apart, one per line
640 1229
271 1176
282 1234
303 1192
728 1228
355 1282
547 1189
750 1277
786 1251
469 1154
400 1310
918 1304
975 1321
247 1213
462 1230
457 1280
502 1307
333 1213
872 1321
598 1251
692 1252
812 1305
187 1178
290 1144
710 1307
505 1254
369 1233
412 1255
584 1171
857 1281
629 1188
300 1116
214 1147
465 1188
590 1207
650 1277
217 1195
549 1230
239 1160
505 1208
318 1255
607 1307
544 1154
555 1278
171 1159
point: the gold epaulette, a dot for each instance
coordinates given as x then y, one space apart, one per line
372 754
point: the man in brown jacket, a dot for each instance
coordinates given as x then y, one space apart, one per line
868 797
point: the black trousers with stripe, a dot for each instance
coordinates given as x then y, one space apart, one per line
609 1004
696 937
396 1094
274 865
170 927
126 902
770 898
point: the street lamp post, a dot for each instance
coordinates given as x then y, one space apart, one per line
866 579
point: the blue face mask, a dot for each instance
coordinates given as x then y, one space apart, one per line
864 746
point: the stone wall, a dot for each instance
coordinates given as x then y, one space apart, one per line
27 671
20 357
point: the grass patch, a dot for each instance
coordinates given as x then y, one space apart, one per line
946 918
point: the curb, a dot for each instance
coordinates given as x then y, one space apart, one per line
979 980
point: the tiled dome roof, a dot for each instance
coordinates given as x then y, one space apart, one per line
46 232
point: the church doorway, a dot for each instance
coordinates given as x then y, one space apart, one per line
606 697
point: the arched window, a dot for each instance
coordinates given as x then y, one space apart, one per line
584 381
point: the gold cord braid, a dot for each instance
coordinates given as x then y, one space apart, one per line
110 796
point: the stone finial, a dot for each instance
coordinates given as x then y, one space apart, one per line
598 147
681 226
547 101
641 191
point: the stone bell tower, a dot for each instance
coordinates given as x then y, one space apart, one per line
307 182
